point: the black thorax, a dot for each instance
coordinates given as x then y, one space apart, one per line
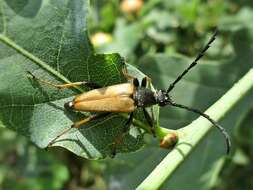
145 97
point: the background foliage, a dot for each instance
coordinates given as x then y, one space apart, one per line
160 39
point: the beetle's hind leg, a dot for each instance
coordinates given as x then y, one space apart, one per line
78 124
67 85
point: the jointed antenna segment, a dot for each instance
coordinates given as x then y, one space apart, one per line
199 56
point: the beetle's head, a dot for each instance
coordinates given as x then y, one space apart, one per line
163 98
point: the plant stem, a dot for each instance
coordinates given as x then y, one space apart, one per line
162 132
192 134
159 131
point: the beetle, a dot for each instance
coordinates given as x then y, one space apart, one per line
127 97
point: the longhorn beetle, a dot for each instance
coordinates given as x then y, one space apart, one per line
127 97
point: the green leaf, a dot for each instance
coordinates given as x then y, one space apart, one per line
49 39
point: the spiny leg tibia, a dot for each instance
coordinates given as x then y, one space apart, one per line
78 124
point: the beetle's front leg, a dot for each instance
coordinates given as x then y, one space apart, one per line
78 124
67 85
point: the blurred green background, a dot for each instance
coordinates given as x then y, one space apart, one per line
150 34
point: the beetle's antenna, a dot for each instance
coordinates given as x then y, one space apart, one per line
217 125
199 56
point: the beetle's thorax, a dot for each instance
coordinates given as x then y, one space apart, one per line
145 97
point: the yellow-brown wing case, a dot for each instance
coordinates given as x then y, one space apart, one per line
116 98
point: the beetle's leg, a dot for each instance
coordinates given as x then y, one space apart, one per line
78 124
128 123
119 139
90 118
149 120
129 77
68 85
126 74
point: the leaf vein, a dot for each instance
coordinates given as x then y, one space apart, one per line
33 58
